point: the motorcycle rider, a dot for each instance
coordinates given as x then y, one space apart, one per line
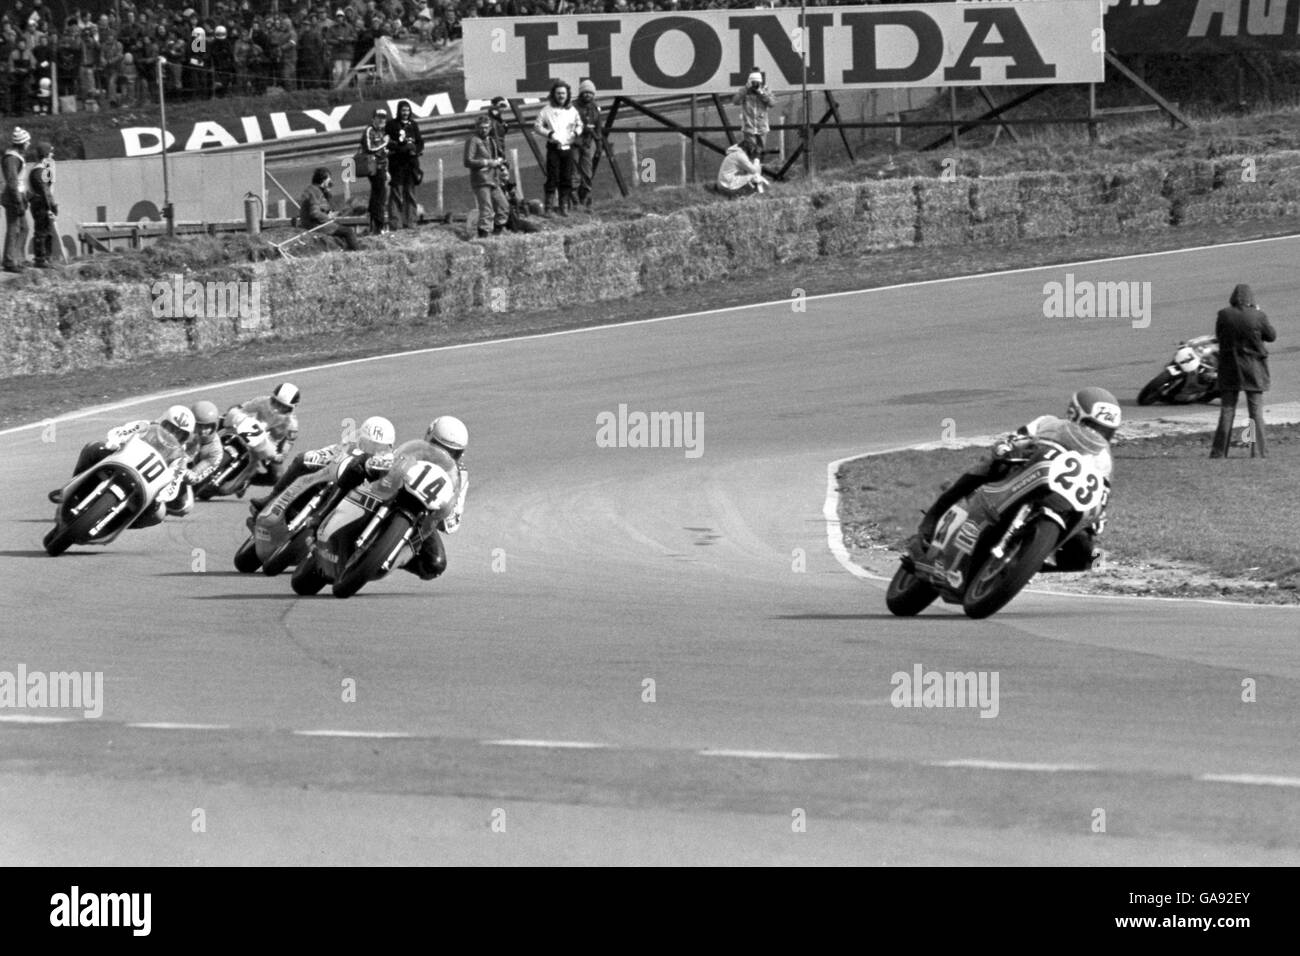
202 456
373 450
1092 418
167 436
451 435
276 412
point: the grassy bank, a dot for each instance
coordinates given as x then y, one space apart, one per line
1178 523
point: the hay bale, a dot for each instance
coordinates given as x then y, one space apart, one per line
943 211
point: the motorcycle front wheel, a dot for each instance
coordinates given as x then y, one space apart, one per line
306 579
246 559
365 566
997 581
908 595
1158 388
59 540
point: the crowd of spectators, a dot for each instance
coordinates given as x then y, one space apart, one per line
239 47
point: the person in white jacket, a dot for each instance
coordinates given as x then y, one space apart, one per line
741 173
561 124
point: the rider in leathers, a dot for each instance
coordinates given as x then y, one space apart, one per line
202 455
167 436
1093 417
276 411
372 456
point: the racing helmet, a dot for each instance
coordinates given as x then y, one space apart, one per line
1187 359
1096 408
377 435
450 433
206 418
178 422
285 398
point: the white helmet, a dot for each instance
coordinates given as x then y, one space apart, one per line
178 422
1096 408
377 435
450 433
286 397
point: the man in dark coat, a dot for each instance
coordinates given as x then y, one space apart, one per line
1242 329
405 145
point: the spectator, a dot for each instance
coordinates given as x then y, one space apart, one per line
741 173
222 54
374 144
342 42
313 65
560 123
246 56
1242 329
89 57
754 100
590 140
111 54
13 199
405 146
21 68
197 79
496 112
485 164
316 214
128 92
40 181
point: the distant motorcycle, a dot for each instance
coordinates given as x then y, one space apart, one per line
1193 376
103 501
243 449
377 527
281 534
986 547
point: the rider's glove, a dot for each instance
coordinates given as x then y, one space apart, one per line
378 465
314 459
1002 449
451 523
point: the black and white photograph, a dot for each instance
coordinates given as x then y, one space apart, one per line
651 433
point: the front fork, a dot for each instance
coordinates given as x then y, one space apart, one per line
999 550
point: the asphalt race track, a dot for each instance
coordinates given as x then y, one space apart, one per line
501 712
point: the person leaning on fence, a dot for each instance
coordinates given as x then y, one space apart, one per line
405 146
560 123
315 213
486 165
374 152
13 199
40 183
754 100
1242 329
741 173
589 141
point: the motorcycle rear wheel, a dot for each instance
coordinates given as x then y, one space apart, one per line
246 559
1156 389
307 580
58 540
996 582
283 556
908 595
365 566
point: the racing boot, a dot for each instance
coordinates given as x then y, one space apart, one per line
56 495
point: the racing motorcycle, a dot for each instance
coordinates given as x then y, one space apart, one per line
1192 376
281 533
377 527
243 449
103 501
986 547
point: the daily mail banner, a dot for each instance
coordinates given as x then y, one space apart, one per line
710 51
1202 26
196 135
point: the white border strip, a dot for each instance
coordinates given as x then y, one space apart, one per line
162 396
1015 765
38 719
766 755
368 734
548 744
1251 778
168 725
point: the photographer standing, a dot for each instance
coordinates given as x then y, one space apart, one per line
486 164
1242 329
40 181
374 150
405 146
754 100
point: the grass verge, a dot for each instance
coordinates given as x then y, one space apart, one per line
1179 524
